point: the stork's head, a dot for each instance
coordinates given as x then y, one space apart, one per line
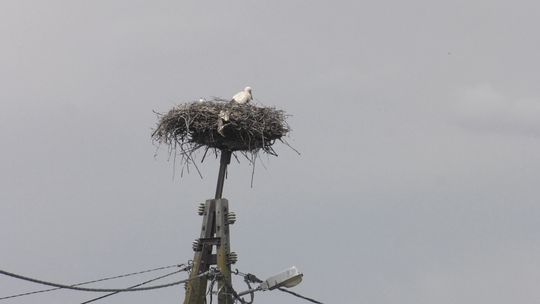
248 89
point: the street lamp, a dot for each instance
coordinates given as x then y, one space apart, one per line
287 278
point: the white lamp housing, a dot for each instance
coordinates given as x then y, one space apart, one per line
288 278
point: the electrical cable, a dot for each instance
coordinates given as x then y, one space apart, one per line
93 281
210 290
17 276
137 285
234 293
248 278
299 295
251 294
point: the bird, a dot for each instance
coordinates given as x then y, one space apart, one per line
202 100
224 117
243 97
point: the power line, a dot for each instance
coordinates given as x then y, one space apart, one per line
249 277
17 276
137 285
299 295
211 289
93 281
235 294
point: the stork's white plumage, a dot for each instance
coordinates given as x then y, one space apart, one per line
243 97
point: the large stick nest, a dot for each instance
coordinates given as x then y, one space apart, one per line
223 125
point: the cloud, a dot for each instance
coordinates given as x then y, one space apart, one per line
483 108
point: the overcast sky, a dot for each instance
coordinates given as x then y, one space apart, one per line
418 124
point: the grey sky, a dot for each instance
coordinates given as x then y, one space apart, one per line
418 124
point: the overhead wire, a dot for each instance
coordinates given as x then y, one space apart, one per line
210 291
299 295
231 291
251 278
137 285
234 293
93 281
71 287
248 278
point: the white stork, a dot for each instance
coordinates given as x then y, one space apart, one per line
243 97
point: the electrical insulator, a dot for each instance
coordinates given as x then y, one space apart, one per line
232 258
197 245
201 208
231 218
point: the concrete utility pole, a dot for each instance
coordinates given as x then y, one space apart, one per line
214 232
